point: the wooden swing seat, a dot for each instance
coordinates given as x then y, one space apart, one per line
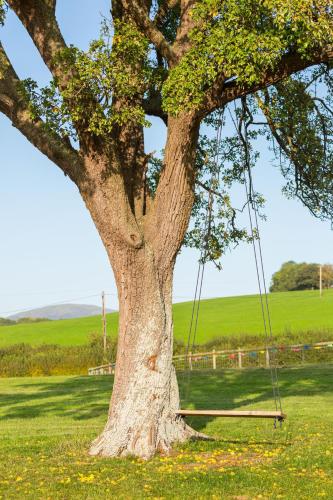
233 413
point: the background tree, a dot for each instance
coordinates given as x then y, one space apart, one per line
182 61
302 276
284 279
327 275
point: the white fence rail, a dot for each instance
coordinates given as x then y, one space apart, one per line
243 358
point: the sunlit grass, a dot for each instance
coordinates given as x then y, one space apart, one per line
46 425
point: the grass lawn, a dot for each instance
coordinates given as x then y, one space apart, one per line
46 425
228 316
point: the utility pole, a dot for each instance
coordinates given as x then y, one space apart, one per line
104 323
320 280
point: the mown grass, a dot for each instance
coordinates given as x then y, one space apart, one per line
229 316
47 424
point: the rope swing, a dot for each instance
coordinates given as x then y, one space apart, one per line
244 123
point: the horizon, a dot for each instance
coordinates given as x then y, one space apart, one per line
112 311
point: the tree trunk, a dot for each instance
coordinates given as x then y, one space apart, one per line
142 418
142 247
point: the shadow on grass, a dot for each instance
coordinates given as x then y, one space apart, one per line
75 397
249 389
82 398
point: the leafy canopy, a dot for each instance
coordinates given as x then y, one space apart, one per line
240 41
244 39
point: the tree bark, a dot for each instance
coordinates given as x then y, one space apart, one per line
142 416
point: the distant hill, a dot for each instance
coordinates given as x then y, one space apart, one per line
60 311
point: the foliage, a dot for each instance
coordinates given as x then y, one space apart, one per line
32 320
302 276
240 40
243 39
21 360
112 65
7 321
301 126
48 423
3 10
327 275
220 165
297 121
24 360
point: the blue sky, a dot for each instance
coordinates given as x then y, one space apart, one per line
50 250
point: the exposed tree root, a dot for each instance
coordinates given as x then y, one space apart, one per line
146 441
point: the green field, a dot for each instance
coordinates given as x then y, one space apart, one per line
47 424
229 316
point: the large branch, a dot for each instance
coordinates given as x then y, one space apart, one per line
152 106
38 17
14 105
163 10
223 91
172 205
183 43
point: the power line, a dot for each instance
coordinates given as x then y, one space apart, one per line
42 292
53 304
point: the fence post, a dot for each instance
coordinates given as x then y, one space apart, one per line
190 360
267 358
239 358
303 354
214 360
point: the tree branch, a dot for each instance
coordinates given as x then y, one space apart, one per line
152 106
38 17
182 43
163 10
208 189
224 91
14 105
139 13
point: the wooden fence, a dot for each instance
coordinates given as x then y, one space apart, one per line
260 357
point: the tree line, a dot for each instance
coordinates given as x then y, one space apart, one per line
301 276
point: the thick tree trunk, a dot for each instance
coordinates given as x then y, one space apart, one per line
142 246
142 418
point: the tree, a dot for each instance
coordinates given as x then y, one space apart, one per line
307 277
284 279
327 275
182 61
302 276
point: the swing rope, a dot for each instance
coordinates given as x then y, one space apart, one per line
242 131
258 253
192 335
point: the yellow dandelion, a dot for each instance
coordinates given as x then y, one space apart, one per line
65 480
86 479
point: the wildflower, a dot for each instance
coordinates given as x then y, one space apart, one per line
65 480
86 479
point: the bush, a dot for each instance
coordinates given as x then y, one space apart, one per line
26 360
